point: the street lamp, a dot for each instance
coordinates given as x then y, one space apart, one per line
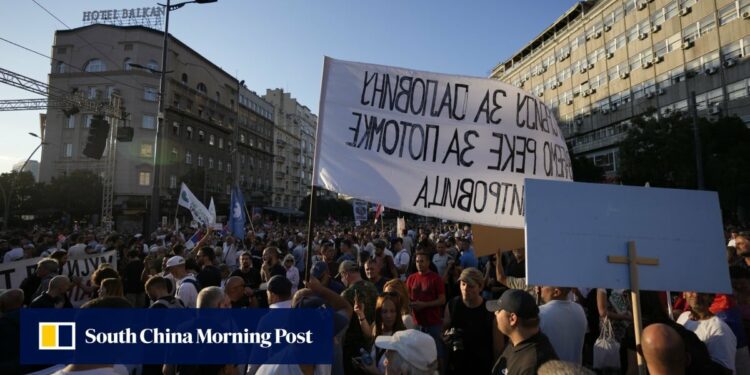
156 194
9 197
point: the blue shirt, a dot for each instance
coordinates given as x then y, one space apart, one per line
468 259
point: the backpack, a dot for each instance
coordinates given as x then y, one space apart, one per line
192 281
175 303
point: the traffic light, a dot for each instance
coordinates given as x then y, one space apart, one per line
97 139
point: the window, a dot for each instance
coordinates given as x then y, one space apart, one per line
71 124
126 64
87 120
201 135
737 90
210 163
144 178
68 150
189 131
211 139
152 65
176 128
147 150
218 96
61 68
221 143
150 94
149 122
728 14
188 157
200 160
173 182
184 78
221 165
91 92
95 65
201 87
242 137
175 154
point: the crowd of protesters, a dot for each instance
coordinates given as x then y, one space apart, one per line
417 302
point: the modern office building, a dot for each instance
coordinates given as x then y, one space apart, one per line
203 107
605 61
294 138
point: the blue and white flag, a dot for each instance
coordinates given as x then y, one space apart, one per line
189 201
237 214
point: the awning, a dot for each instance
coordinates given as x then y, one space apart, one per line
285 211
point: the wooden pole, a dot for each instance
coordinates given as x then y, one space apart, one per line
635 298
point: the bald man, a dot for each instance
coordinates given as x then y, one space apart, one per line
239 295
212 297
56 294
664 350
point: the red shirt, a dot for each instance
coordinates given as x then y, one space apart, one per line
426 288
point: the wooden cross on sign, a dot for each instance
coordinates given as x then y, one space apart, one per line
633 262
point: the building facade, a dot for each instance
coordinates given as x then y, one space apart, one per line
201 140
606 61
32 166
294 138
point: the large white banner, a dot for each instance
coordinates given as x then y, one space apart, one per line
200 213
437 145
13 273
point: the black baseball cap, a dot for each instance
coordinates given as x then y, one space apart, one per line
515 301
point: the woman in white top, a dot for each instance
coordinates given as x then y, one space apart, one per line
292 273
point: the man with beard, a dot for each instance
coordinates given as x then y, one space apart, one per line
271 266
470 333
718 337
742 242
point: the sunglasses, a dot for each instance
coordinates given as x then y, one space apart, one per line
391 294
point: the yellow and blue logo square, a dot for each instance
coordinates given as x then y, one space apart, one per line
57 336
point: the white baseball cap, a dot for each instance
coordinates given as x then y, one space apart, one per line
175 261
415 347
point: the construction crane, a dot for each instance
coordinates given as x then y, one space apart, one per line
71 103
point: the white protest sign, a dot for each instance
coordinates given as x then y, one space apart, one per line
433 144
572 228
13 273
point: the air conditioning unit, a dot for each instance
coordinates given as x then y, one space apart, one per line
642 36
657 59
540 94
609 55
607 28
714 110
624 75
660 92
687 44
655 28
746 15
649 95
585 93
590 66
646 64
588 37
730 62
569 102
597 35
642 6
685 11
582 70
711 70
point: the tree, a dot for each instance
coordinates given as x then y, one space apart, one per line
584 170
78 194
661 152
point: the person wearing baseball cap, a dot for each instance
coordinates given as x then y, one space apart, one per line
517 317
409 352
187 285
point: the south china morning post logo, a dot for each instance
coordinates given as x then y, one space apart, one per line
57 336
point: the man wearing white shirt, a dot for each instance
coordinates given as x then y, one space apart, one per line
718 337
78 250
564 323
186 285
402 258
15 253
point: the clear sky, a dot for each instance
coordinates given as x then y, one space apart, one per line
281 43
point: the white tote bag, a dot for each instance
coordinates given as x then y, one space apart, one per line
606 348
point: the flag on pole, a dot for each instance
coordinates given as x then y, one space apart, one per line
212 211
378 212
197 209
190 243
237 214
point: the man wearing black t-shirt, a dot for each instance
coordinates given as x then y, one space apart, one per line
209 274
470 333
271 266
517 317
